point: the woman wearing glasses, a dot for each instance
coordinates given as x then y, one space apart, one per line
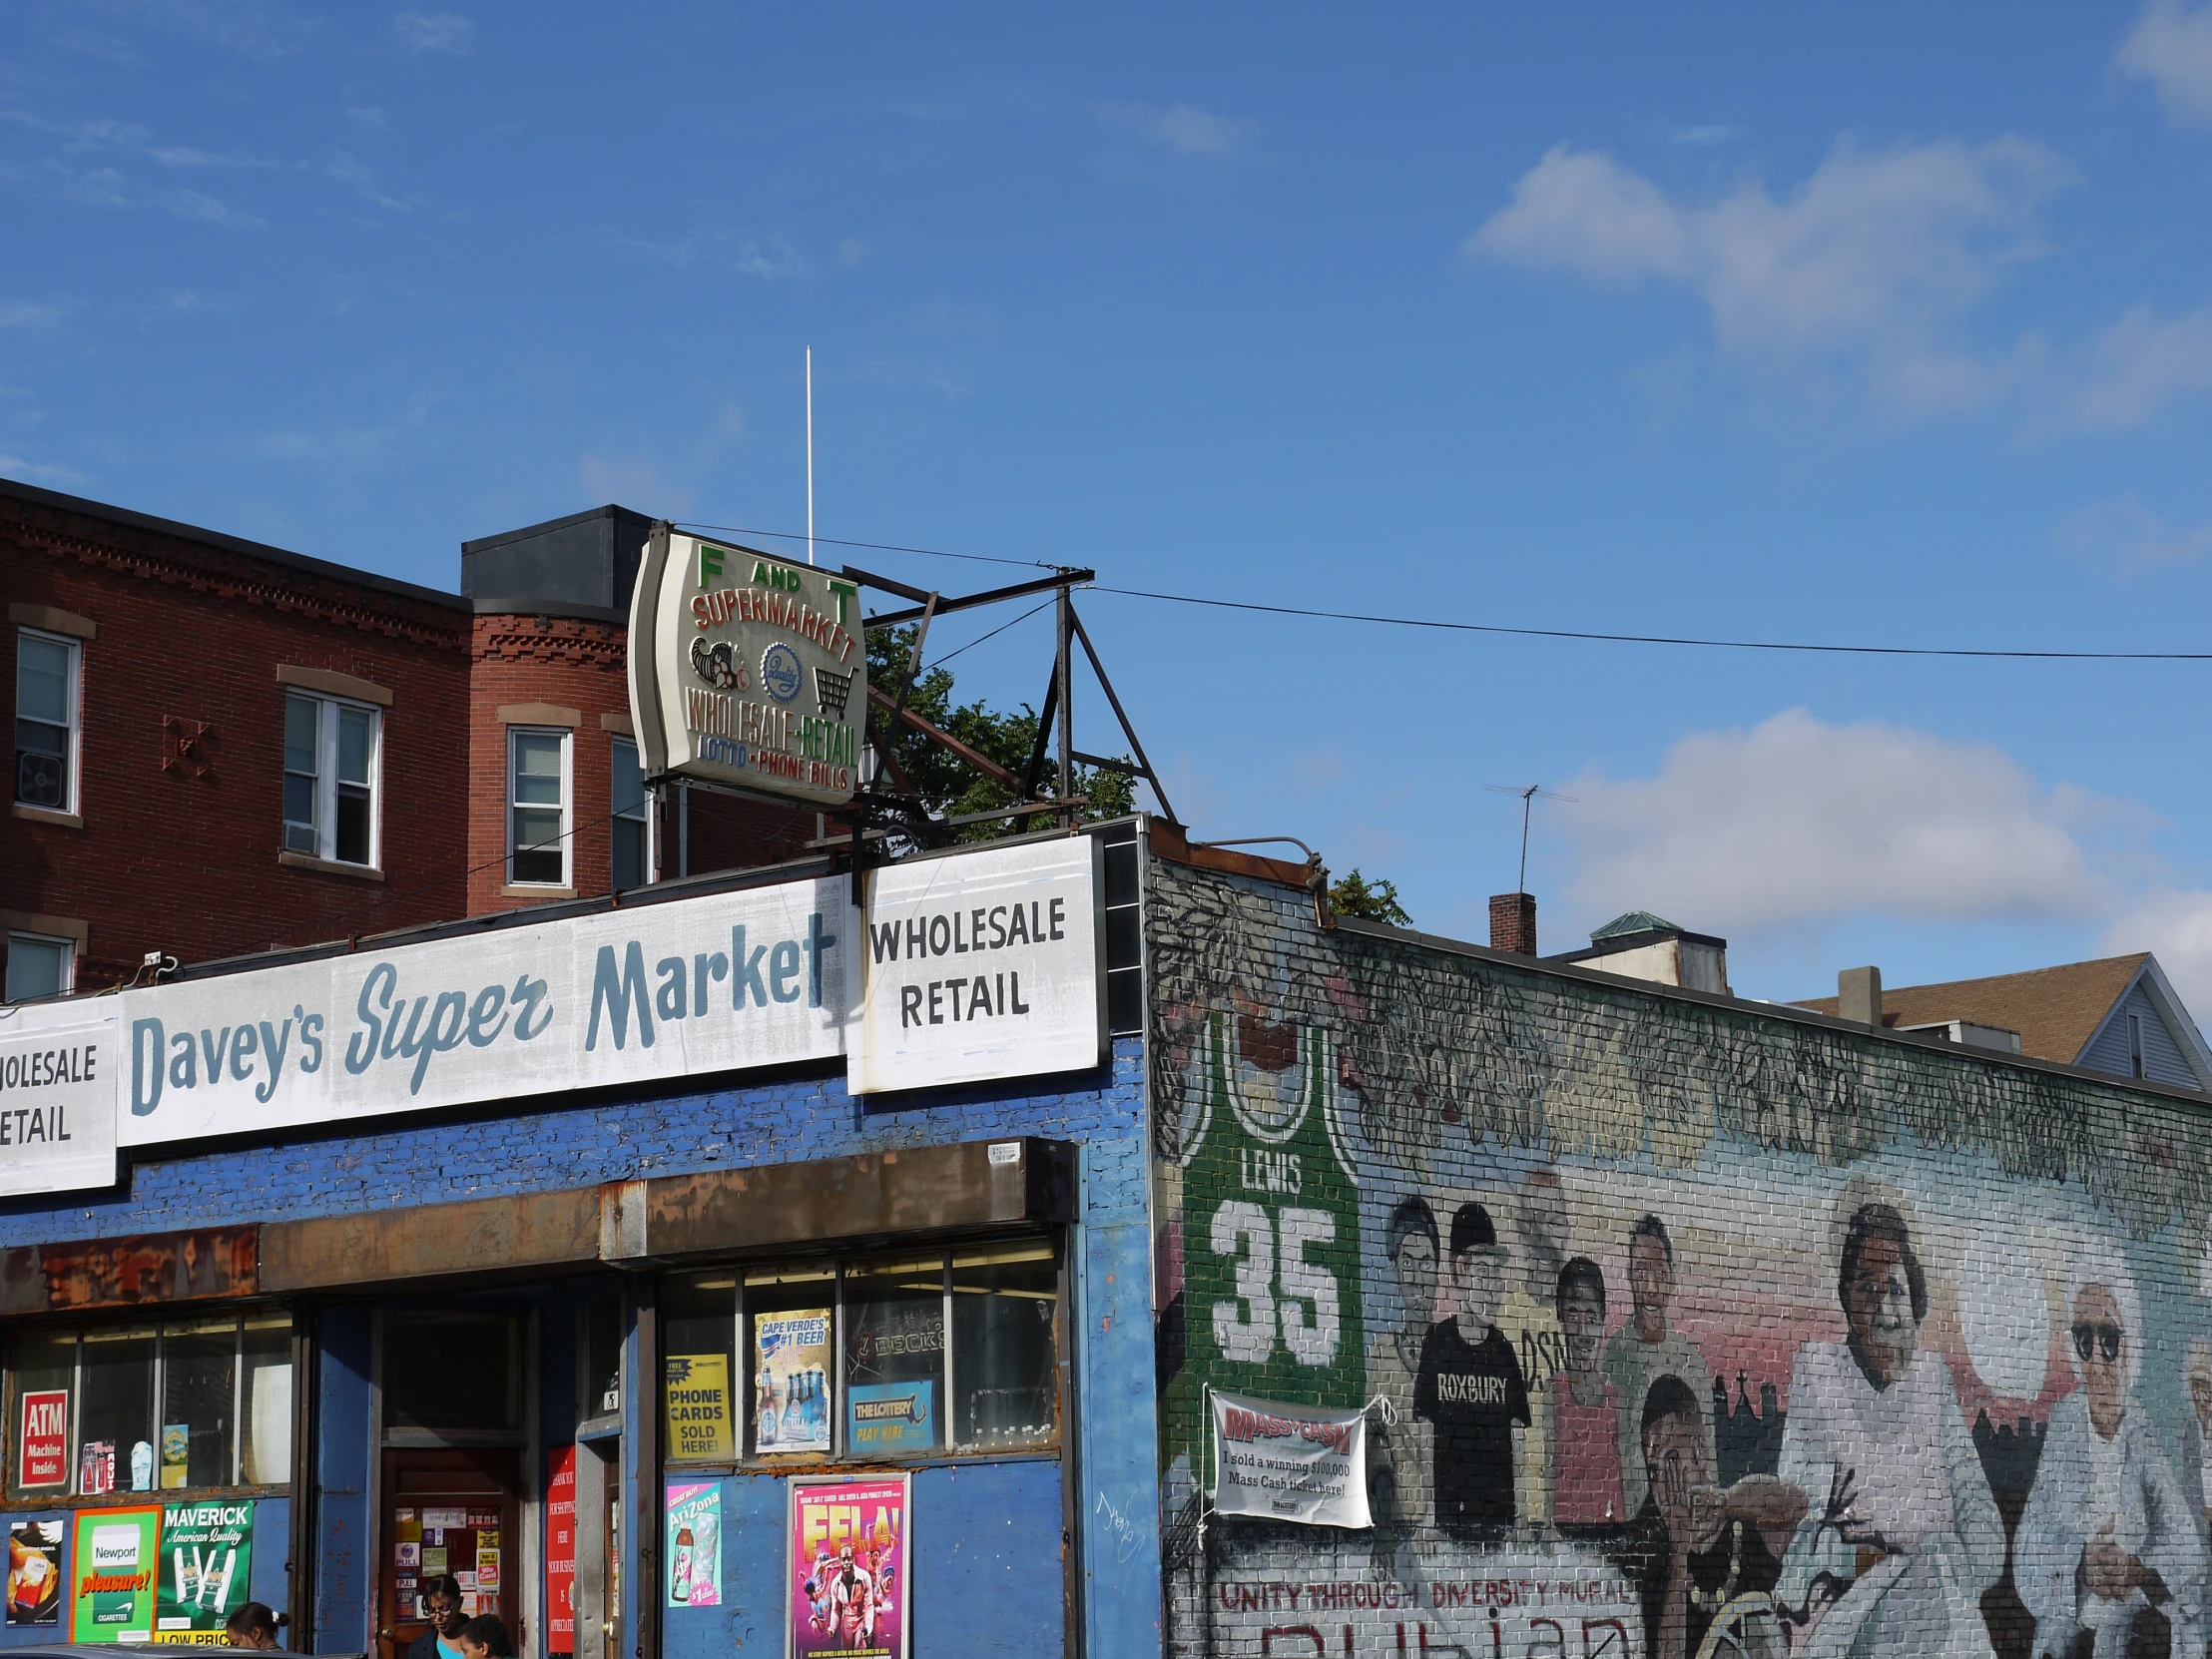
2108 1557
1901 1537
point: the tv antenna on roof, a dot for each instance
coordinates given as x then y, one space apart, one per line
1529 795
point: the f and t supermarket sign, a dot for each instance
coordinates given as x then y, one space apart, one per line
747 671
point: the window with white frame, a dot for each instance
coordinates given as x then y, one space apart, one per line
537 807
633 834
40 967
46 719
330 766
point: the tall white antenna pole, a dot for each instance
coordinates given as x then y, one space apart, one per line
809 454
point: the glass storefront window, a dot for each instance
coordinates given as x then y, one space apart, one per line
790 1317
115 1420
1005 1356
201 1403
198 1403
450 1371
265 1402
894 1355
698 1326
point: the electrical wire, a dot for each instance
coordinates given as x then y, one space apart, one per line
877 546
1667 639
994 633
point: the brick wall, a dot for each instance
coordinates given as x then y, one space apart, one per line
1329 1108
184 860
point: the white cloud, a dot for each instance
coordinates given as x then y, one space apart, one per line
2171 47
1796 824
32 313
1876 257
37 472
447 32
1183 129
2141 363
748 253
2177 926
2125 536
1706 136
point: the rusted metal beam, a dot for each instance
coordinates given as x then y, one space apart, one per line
982 763
142 1270
487 1235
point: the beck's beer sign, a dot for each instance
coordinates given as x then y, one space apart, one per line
747 671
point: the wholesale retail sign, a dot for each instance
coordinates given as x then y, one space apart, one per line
981 965
58 1077
646 994
847 1574
206 1563
113 1568
747 670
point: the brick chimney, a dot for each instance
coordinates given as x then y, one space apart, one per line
1514 922
1857 991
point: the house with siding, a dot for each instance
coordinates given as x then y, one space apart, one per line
2118 1014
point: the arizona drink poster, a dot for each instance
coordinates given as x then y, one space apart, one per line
849 1576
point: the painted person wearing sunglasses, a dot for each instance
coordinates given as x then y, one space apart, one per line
2108 1557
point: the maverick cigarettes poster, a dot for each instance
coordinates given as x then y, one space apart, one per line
848 1579
112 1569
35 1572
207 1558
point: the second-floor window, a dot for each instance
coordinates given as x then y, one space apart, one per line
331 764
537 807
632 835
46 721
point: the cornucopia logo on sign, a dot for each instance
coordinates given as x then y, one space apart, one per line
749 671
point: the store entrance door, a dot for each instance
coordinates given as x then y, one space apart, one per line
453 1510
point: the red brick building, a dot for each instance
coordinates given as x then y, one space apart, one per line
222 747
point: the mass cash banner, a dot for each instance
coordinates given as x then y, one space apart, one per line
847 1568
207 1561
1304 1463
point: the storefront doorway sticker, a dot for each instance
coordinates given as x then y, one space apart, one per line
847 1574
694 1511
112 1570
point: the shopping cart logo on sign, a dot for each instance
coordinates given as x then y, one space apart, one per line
832 691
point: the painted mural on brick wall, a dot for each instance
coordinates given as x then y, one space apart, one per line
1685 1333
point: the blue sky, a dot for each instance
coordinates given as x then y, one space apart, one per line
1876 323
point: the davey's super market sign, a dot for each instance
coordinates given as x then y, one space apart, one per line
970 966
747 671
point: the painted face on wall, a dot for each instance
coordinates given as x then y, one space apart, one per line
1650 1280
1479 1277
1881 1308
1674 1462
1582 1321
1417 1278
2200 1395
2100 1357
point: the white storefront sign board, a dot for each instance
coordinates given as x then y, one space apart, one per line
1304 1464
988 964
657 991
58 1069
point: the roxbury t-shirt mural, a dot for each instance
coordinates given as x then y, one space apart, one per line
1863 1350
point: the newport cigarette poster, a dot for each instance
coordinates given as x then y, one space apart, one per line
112 1569
848 1579
207 1559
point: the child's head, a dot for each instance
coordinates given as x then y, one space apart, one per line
485 1637
1580 1305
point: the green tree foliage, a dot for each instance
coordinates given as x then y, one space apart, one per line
947 784
1376 901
